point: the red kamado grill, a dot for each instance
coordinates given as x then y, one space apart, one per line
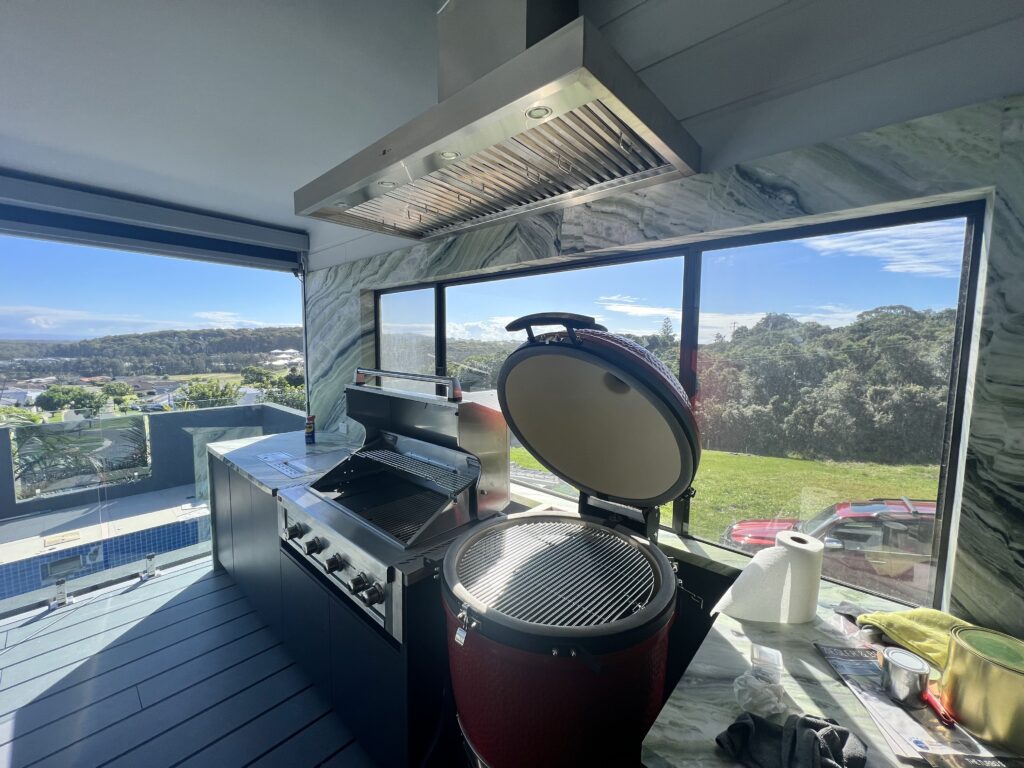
558 623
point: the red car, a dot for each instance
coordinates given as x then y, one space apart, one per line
884 545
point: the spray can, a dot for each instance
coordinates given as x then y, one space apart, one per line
310 430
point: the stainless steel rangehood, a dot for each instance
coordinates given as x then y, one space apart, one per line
563 122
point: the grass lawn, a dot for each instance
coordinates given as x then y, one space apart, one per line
732 486
223 378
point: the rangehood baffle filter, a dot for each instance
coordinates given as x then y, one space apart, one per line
563 122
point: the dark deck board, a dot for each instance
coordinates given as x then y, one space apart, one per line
172 745
261 734
44 741
108 632
314 744
352 756
73 664
175 670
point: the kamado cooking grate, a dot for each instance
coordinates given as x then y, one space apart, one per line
557 573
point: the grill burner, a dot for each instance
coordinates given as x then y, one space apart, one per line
521 572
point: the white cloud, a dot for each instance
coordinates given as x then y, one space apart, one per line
491 329
933 249
629 305
84 323
220 319
421 329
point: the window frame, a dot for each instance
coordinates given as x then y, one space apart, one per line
972 211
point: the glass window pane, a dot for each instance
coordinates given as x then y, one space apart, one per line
823 369
114 377
640 300
407 336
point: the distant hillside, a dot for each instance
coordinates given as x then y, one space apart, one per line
160 352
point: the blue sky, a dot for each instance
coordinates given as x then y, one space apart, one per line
56 290
827 279
51 290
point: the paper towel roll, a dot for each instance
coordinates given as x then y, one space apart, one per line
779 585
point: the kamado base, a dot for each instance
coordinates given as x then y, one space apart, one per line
519 708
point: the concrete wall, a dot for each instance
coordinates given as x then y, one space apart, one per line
973 153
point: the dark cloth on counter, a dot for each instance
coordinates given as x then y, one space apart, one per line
804 741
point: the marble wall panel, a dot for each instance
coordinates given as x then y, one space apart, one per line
963 154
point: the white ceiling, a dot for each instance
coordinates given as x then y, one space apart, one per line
230 105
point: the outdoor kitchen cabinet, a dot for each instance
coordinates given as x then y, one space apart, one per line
245 538
220 504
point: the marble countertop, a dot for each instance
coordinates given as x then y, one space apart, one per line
703 703
242 455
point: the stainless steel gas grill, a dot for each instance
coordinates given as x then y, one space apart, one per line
429 466
362 549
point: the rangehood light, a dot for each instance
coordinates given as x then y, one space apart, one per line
450 155
388 184
538 112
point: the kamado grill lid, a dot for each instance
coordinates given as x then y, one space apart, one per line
599 411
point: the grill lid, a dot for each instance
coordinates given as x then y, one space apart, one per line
600 412
559 576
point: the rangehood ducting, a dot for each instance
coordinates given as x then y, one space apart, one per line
564 122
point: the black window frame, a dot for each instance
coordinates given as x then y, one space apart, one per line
973 212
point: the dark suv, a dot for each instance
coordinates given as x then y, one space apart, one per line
884 545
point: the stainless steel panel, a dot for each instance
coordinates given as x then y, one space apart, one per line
605 131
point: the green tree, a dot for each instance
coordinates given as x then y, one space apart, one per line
120 393
256 376
12 416
295 377
60 397
291 397
207 393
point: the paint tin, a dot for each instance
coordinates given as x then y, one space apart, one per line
904 676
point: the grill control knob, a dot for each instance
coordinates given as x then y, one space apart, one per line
294 531
335 563
373 595
314 545
357 583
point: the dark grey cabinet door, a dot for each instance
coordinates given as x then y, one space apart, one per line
220 500
263 558
241 528
305 622
367 686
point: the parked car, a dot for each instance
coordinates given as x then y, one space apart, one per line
884 545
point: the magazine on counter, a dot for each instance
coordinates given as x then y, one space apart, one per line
914 734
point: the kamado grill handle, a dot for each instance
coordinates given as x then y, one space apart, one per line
567 320
450 383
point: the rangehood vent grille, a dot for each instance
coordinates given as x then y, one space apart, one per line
587 148
564 122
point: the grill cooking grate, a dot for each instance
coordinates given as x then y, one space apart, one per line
585 148
448 479
404 516
558 574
